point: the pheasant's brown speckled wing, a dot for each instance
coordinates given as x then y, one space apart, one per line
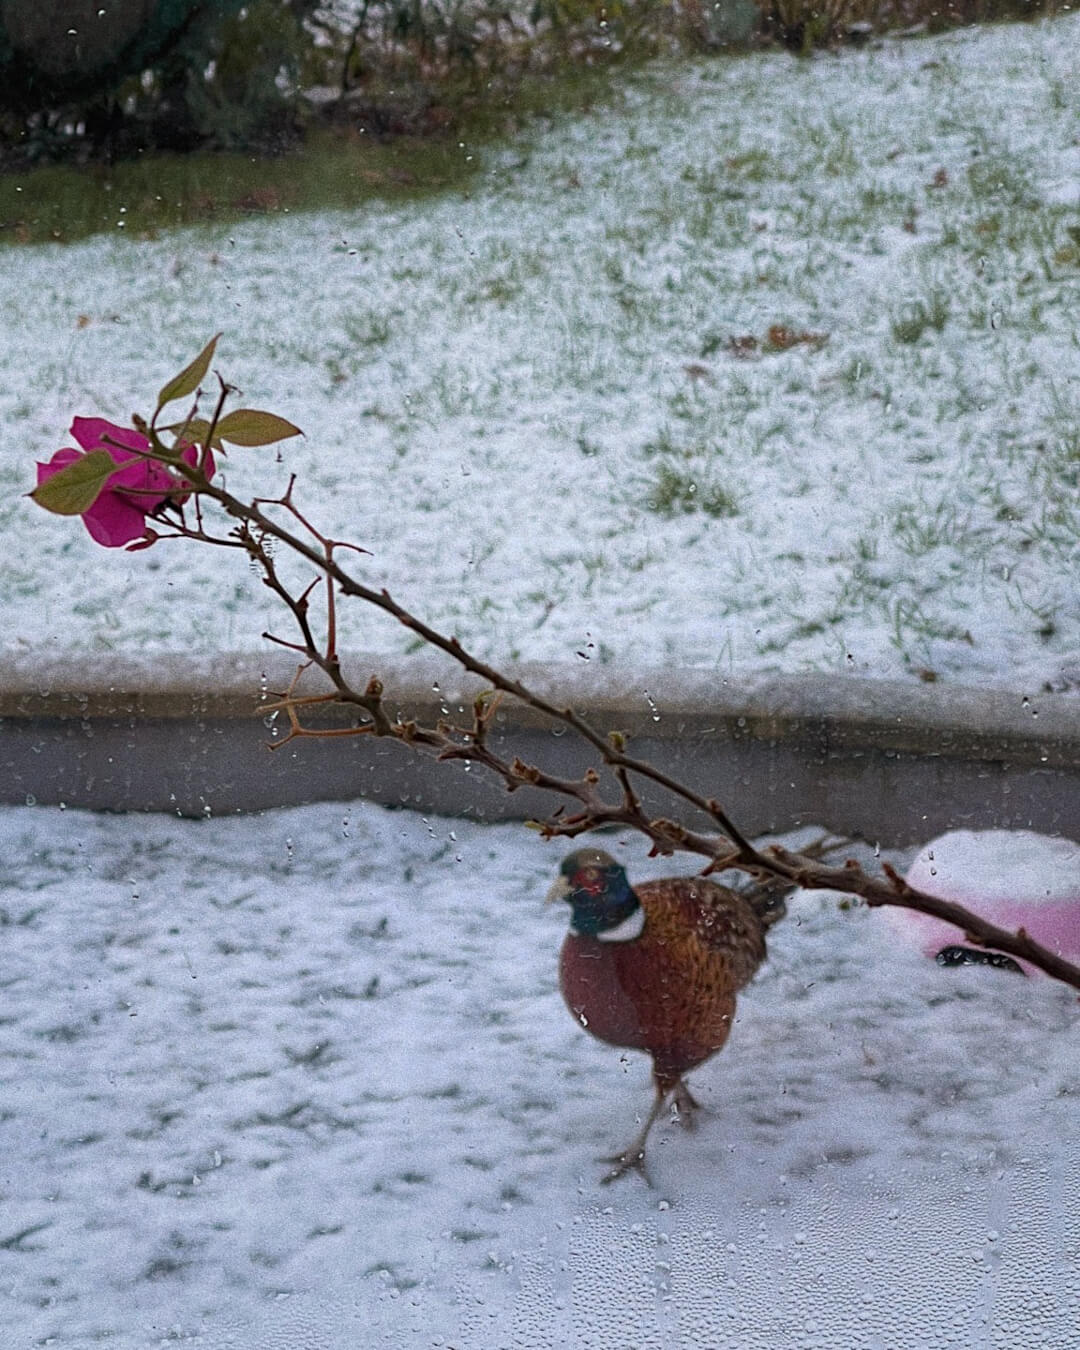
721 919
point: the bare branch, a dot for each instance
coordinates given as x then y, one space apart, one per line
729 848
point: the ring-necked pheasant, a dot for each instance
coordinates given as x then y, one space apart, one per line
656 967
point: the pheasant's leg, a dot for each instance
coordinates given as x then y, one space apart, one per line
686 1104
633 1158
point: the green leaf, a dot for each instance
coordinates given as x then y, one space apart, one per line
77 486
245 426
195 432
190 377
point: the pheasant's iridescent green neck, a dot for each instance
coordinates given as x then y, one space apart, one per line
602 900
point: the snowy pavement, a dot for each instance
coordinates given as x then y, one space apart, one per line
305 1080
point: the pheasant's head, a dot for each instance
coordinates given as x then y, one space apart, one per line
602 902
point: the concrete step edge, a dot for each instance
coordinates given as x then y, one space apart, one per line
820 710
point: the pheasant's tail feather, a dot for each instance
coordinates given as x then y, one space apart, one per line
768 900
768 896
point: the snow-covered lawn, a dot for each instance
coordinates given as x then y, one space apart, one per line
768 364
305 1080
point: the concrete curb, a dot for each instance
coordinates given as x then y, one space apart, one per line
890 761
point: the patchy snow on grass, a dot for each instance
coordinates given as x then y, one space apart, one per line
306 1080
768 364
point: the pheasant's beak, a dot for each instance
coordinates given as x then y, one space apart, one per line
560 889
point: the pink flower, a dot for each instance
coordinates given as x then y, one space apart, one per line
140 486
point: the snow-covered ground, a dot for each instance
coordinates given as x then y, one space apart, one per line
305 1081
552 407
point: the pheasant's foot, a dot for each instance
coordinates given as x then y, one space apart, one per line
633 1160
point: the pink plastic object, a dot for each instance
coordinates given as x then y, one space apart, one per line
1014 878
